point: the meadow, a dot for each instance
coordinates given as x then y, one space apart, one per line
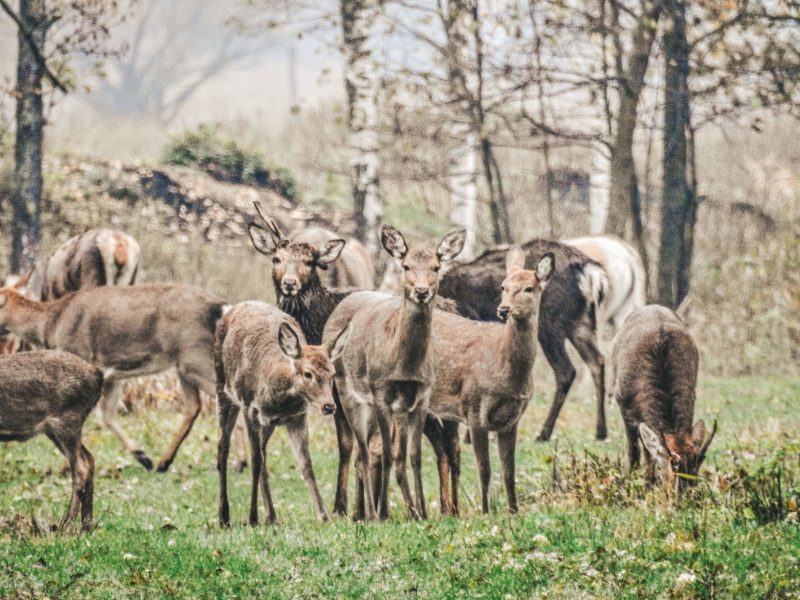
585 529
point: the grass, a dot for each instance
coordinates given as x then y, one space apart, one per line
157 535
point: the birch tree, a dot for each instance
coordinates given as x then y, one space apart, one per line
359 27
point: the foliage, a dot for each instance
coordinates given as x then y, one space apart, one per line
208 148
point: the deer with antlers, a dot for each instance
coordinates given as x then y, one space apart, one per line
654 363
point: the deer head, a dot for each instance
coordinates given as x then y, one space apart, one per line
521 289
675 455
294 264
420 279
312 367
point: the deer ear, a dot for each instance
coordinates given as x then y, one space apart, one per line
652 441
699 433
263 240
289 341
393 242
515 259
545 267
336 347
452 244
330 251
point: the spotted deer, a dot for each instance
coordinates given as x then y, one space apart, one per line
128 332
266 370
53 392
386 372
654 365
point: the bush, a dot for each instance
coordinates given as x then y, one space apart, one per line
208 149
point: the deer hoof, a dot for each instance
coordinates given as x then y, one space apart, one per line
542 437
164 466
601 435
143 459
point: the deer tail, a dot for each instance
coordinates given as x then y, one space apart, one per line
593 283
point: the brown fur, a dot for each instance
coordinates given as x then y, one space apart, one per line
52 392
266 370
126 332
655 364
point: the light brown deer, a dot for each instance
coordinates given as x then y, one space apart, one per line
386 372
654 360
267 371
53 392
127 332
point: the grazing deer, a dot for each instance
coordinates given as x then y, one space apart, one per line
386 371
354 267
627 279
569 306
654 365
53 392
94 258
266 370
127 332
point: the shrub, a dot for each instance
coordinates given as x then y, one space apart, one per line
207 148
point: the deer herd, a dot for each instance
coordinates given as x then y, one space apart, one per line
455 344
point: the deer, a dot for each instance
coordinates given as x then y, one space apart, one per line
52 392
266 370
569 307
353 269
127 332
95 258
385 373
654 364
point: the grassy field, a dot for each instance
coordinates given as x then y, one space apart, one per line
590 533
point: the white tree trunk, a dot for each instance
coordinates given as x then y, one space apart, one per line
599 186
465 149
359 21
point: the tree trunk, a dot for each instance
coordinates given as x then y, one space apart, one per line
676 203
623 200
465 150
27 198
359 19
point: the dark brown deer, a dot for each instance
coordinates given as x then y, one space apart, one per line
127 332
53 392
568 312
267 371
654 366
386 372
354 267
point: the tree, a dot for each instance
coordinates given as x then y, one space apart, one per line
359 23
82 25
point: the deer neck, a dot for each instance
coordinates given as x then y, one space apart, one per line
412 336
28 320
518 349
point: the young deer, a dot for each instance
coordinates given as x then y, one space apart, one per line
53 392
265 369
386 372
484 377
127 332
654 362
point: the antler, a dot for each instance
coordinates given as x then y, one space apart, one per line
269 222
707 443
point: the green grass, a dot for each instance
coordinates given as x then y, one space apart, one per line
157 535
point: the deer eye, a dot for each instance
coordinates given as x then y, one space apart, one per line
436 269
308 375
502 288
276 260
529 289
406 268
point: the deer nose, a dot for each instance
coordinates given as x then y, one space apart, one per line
502 312
328 408
290 283
421 292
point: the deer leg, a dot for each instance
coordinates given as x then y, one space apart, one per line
399 454
70 448
298 436
256 460
556 353
359 514
240 443
86 468
365 476
585 342
266 434
417 423
191 408
633 447
228 413
387 433
435 433
107 413
453 449
344 441
507 446
480 444
376 470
